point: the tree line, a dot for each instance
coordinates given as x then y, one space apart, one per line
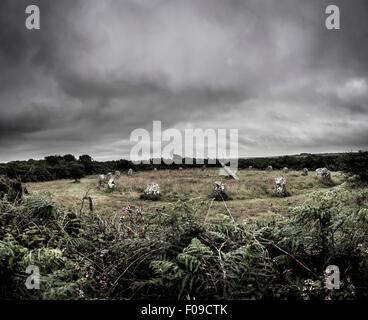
55 167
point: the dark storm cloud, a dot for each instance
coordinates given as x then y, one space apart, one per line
86 88
36 119
99 69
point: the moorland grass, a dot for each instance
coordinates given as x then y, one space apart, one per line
253 195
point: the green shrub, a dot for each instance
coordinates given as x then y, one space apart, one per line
355 164
172 253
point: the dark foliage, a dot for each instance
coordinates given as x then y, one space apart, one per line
11 189
59 167
356 165
172 254
69 158
77 171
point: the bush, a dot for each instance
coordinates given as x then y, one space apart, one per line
69 158
11 189
76 171
172 253
355 164
53 160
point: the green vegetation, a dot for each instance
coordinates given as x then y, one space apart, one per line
253 195
62 167
185 245
174 253
356 165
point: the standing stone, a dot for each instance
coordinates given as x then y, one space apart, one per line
323 173
152 192
305 172
180 168
219 191
130 172
226 170
154 169
269 168
101 180
250 168
111 184
204 167
280 187
109 176
285 170
117 174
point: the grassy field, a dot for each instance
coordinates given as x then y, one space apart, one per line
253 195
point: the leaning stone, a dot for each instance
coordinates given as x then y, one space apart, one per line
323 173
280 187
152 192
111 184
130 172
226 171
305 172
219 191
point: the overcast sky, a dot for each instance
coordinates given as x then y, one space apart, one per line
96 70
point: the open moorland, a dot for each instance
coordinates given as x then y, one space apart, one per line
186 245
253 195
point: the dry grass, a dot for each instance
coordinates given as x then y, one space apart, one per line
253 195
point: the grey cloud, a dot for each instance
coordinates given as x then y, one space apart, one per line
29 121
98 70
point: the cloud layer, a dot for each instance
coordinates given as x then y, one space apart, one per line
96 70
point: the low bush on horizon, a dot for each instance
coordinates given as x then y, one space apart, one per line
175 253
56 167
355 165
